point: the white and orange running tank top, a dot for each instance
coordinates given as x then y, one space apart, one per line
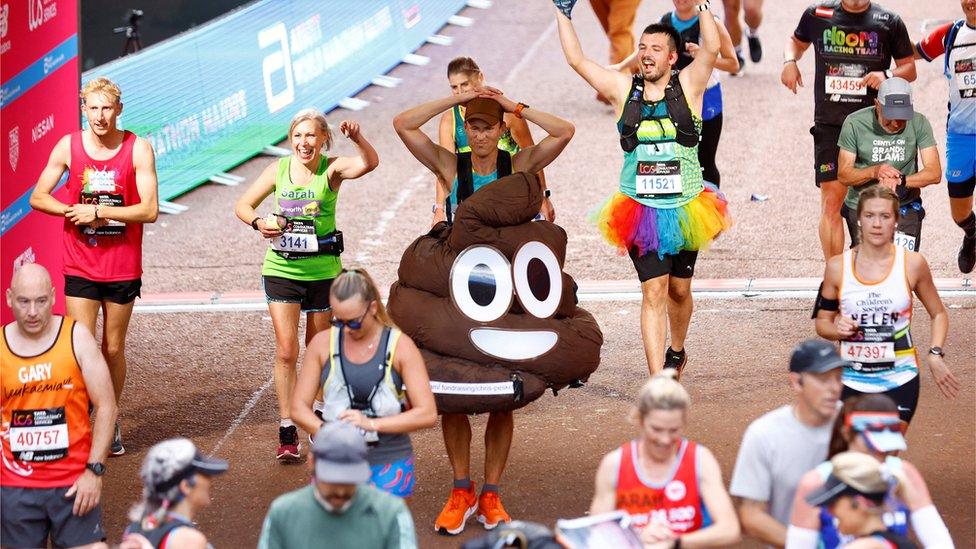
882 351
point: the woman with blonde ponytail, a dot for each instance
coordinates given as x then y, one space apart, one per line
670 486
370 375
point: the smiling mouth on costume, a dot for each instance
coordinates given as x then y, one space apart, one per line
513 344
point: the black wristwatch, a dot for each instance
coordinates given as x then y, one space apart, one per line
254 223
937 351
547 192
677 543
98 468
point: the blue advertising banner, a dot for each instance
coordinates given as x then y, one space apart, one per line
216 96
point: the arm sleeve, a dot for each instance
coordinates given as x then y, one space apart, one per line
751 477
801 538
926 137
930 529
848 138
804 29
934 44
901 41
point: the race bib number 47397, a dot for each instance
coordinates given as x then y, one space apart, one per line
863 351
657 178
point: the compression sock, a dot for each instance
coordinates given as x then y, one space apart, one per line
968 225
463 484
489 488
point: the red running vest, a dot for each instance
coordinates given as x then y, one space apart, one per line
114 252
675 502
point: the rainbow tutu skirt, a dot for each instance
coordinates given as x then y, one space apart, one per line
626 223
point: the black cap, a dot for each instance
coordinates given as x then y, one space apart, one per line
816 356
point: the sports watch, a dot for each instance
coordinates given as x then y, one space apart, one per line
97 467
937 351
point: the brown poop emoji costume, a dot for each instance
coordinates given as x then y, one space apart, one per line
489 306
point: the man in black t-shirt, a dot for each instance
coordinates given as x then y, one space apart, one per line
854 44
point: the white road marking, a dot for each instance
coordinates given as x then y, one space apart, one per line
373 238
527 56
248 406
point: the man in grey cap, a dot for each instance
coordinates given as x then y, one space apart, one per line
883 144
340 508
782 445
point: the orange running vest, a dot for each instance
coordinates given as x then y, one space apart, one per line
46 432
674 502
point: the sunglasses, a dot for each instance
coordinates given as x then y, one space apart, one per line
354 324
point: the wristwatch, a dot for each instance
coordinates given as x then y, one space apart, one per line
519 108
96 211
888 73
547 192
254 223
703 6
97 467
937 351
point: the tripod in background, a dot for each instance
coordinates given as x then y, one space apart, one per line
131 30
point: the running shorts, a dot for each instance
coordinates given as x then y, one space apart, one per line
649 265
122 292
960 164
825 151
905 396
28 516
313 295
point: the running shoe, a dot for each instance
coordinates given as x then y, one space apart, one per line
490 510
755 48
967 255
288 443
117 448
458 509
675 360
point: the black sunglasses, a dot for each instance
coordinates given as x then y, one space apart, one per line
352 324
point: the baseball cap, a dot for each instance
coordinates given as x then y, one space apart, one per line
853 473
895 96
340 454
173 460
881 430
816 356
484 108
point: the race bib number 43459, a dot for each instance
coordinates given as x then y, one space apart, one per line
38 435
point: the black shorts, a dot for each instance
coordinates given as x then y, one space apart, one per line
909 225
649 265
825 151
312 294
28 516
906 397
122 291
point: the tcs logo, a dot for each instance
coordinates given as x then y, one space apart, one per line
40 12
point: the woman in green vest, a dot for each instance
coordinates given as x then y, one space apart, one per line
303 245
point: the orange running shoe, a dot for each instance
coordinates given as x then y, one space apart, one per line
458 509
490 510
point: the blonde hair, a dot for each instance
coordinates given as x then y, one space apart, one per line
662 392
102 86
462 65
316 116
878 191
358 283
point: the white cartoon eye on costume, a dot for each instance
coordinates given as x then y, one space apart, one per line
483 284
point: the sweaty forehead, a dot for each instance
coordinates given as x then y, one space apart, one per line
655 39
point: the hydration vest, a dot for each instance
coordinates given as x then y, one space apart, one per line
465 179
678 111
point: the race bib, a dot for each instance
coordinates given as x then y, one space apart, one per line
906 241
38 435
872 348
300 238
658 178
844 79
113 228
965 70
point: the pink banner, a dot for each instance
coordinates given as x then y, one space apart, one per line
39 83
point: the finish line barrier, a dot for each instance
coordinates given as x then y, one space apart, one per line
216 96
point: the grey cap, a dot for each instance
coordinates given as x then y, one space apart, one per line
816 356
852 473
895 96
340 454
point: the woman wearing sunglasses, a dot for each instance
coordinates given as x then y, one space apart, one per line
302 258
372 376
868 424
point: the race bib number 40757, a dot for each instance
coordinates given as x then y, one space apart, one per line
38 435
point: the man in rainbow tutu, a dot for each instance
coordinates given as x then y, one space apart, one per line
663 212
